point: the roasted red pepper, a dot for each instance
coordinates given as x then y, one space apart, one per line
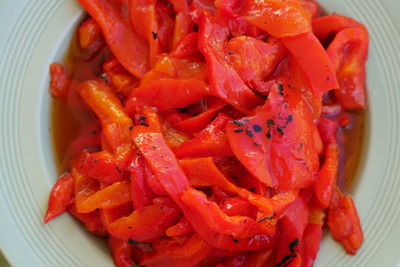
126 45
121 252
348 53
278 18
224 80
90 37
59 83
61 196
210 141
344 223
157 94
148 224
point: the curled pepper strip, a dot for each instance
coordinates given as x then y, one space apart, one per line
158 94
325 183
128 48
121 252
89 196
203 172
313 59
344 223
61 196
210 141
108 108
348 53
224 80
280 18
147 224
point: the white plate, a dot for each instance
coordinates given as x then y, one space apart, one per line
35 33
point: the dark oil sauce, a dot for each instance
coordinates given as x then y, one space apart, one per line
70 116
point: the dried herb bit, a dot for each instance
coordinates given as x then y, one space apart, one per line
267 218
118 169
231 53
256 144
269 134
130 128
252 189
286 260
257 128
279 129
289 118
249 133
141 118
280 89
238 130
130 227
143 124
93 132
294 246
237 122
235 240
154 35
270 123
133 242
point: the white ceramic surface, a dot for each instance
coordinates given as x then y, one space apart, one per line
35 33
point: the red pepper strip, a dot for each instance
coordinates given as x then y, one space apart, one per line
313 59
144 20
254 59
197 123
60 197
174 116
312 238
165 25
279 18
121 252
158 94
312 7
279 139
344 223
141 193
186 47
210 141
59 82
183 227
104 166
202 172
111 196
348 53
224 80
326 26
296 77
148 224
90 37
237 226
84 187
183 21
128 48
236 206
327 129
324 185
108 108
121 80
92 221
173 137
228 12
190 253
153 182
292 226
165 166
